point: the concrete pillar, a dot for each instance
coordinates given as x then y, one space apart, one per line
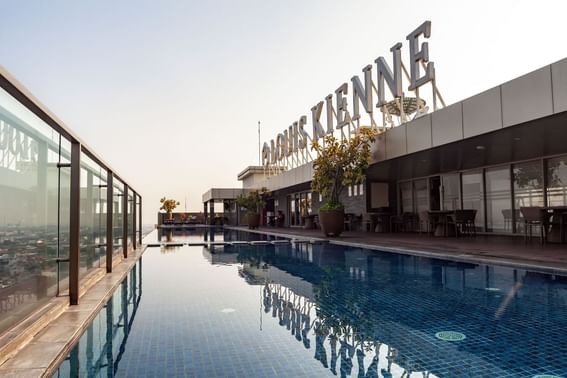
205 211
212 211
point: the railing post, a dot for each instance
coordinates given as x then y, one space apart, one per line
74 223
125 222
134 219
140 220
109 220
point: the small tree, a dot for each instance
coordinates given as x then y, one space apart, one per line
341 163
254 201
168 204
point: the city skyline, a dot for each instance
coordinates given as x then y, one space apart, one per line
187 83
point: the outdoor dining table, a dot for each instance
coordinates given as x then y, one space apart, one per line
557 232
441 221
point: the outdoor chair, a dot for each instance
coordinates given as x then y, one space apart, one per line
351 221
535 216
464 222
426 220
403 222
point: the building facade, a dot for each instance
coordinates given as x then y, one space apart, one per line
495 152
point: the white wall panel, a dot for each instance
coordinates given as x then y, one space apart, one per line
482 113
559 83
396 143
527 97
419 134
447 124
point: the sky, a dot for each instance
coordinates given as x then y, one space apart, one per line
170 93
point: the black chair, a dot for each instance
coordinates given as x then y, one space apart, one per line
404 222
463 221
535 216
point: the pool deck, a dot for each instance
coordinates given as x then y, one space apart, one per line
484 249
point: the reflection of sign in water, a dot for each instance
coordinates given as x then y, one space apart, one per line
15 146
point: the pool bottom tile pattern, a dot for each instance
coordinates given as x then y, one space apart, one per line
323 310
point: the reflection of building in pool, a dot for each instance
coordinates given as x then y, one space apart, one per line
371 311
100 349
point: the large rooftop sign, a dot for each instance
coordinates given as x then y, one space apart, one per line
291 147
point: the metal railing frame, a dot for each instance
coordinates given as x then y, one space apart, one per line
78 147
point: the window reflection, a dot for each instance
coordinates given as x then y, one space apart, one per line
557 181
473 197
498 200
33 220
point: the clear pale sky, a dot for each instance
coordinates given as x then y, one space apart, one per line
170 92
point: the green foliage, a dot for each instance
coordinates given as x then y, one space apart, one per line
341 163
331 206
254 201
168 204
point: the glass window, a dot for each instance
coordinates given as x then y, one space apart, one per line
355 190
350 191
528 184
33 225
131 217
528 188
117 230
557 181
451 189
473 196
291 210
421 195
499 215
406 197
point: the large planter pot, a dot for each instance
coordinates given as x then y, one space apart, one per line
332 222
253 221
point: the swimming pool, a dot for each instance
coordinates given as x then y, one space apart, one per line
316 310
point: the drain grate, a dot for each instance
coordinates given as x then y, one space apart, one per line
450 336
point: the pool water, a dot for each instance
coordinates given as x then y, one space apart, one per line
318 310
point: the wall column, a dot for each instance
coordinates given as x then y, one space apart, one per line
212 211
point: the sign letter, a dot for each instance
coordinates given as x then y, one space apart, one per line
417 56
362 94
394 80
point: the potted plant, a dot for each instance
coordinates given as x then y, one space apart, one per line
253 202
168 205
339 163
